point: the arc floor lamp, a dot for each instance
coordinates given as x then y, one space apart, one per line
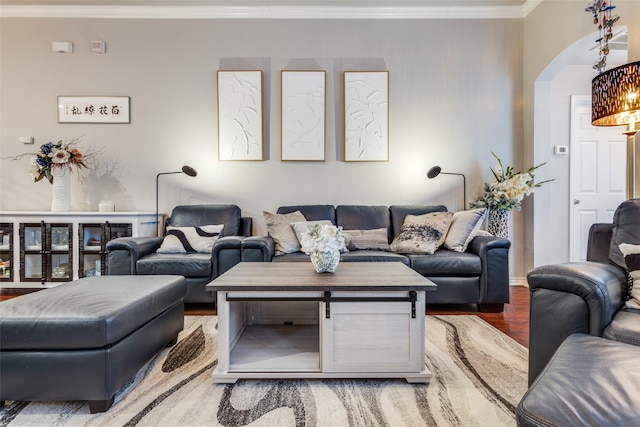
437 170
188 170
615 101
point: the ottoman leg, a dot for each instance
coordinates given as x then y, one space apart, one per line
96 406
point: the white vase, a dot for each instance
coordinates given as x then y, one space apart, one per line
325 261
498 223
61 189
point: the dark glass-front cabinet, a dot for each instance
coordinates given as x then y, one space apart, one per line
46 252
92 249
6 252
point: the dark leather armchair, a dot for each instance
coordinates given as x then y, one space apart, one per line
585 297
138 256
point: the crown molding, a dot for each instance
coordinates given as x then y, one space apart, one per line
269 12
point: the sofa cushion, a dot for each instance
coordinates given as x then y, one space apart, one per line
625 327
190 239
422 234
590 381
87 313
193 215
399 212
368 239
464 227
280 230
626 229
373 256
356 217
446 263
194 264
312 212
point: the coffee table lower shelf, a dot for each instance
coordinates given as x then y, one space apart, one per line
359 340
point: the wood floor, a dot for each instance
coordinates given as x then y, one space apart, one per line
514 321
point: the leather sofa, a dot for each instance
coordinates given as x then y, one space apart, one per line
138 256
582 336
480 275
585 297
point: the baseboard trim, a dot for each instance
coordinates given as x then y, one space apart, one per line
518 281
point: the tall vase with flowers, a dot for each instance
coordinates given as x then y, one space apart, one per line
323 244
55 162
504 193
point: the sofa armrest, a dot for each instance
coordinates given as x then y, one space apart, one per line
578 297
599 241
123 253
494 279
258 249
226 253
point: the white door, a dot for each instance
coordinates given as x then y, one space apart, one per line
598 174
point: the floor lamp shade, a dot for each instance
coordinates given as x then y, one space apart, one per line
437 170
615 101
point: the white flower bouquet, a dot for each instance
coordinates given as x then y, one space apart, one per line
323 238
508 188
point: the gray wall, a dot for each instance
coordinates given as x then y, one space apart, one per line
455 96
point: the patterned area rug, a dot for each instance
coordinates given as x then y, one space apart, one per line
479 375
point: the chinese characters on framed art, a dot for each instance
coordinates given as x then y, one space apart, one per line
93 109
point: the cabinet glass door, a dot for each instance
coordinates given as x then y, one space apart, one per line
31 253
58 245
91 249
6 252
45 252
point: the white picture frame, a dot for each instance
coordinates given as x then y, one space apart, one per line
94 109
240 121
366 116
303 122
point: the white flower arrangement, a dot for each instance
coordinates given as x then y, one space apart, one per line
508 188
323 238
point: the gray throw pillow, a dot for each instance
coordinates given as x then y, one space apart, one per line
280 230
375 239
464 227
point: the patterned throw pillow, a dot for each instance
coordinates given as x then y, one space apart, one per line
631 255
280 230
375 239
422 234
464 227
190 239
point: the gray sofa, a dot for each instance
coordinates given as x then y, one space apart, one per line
480 275
138 256
582 336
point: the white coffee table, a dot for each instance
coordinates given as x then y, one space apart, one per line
284 320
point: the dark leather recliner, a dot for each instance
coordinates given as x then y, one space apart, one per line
585 297
137 255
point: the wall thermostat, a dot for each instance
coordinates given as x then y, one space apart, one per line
561 149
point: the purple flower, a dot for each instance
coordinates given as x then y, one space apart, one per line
46 148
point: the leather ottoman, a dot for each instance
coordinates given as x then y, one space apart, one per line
590 381
83 340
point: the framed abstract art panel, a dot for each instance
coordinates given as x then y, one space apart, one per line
303 115
240 126
366 116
